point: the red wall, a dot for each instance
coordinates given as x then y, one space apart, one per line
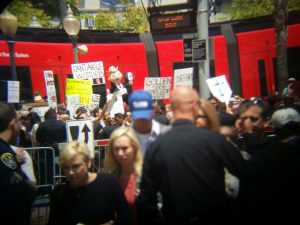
59 57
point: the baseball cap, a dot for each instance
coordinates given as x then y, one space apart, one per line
284 116
291 79
141 105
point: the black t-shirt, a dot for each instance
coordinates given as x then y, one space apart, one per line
96 203
186 164
16 195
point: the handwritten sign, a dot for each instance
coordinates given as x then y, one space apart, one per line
89 71
50 88
13 91
220 88
158 87
83 88
183 77
95 100
73 102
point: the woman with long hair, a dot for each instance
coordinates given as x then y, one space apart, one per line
124 159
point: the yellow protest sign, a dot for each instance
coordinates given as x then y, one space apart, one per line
83 88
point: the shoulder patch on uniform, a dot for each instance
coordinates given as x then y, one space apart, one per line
9 160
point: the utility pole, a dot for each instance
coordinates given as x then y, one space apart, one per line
202 26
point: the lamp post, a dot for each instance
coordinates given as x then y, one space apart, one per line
72 27
9 26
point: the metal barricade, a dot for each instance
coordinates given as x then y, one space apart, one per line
48 173
43 160
100 147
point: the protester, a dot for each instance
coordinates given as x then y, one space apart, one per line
186 164
86 198
124 159
52 131
280 165
16 193
145 127
207 116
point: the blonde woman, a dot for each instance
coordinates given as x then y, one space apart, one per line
124 159
86 198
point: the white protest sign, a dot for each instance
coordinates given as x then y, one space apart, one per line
73 102
183 77
50 88
158 87
13 91
89 71
40 111
95 100
115 104
81 130
220 88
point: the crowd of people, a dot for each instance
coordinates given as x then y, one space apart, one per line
191 161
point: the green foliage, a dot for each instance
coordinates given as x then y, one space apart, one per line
241 9
24 11
132 19
51 7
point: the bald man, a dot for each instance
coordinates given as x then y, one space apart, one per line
186 165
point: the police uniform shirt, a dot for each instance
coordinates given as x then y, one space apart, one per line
15 199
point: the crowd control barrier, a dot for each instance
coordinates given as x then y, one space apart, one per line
48 173
43 162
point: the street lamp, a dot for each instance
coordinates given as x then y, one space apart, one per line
9 26
72 27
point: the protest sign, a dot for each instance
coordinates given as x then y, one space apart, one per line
13 91
183 77
95 100
115 103
158 87
73 102
89 71
50 88
83 88
220 88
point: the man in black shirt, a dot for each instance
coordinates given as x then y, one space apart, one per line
186 165
16 195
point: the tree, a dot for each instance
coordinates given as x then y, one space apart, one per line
241 9
43 10
280 17
24 11
130 18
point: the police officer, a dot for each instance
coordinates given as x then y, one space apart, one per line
16 193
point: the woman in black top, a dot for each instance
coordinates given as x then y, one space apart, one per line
86 198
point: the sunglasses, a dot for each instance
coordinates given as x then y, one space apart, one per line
253 119
201 116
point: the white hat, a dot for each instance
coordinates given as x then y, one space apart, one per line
291 79
113 69
283 116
